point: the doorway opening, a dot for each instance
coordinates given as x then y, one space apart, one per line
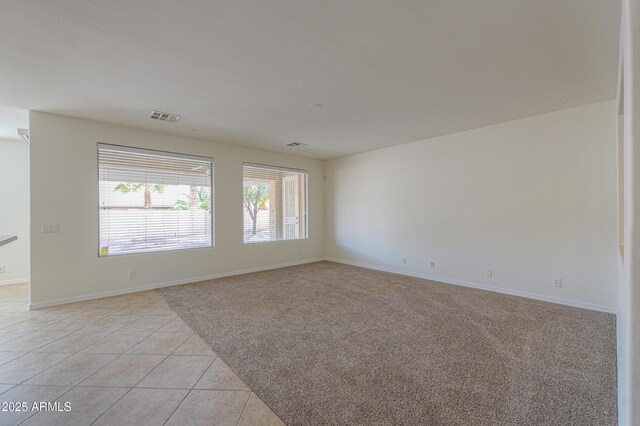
14 225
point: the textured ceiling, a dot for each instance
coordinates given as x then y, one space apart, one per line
245 71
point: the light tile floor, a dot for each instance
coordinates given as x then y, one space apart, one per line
125 360
13 298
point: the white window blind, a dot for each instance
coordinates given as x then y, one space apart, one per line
153 200
274 203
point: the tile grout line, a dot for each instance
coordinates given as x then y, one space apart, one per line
244 409
190 390
61 395
55 364
20 336
69 354
111 362
205 372
111 406
178 406
42 371
131 388
155 332
14 359
137 383
7 390
74 331
153 312
49 312
250 390
79 351
64 335
196 382
84 327
134 386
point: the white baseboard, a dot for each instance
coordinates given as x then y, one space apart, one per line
561 301
444 280
16 281
128 290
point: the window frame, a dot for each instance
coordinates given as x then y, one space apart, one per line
306 201
133 149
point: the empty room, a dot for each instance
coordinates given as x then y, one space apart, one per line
340 212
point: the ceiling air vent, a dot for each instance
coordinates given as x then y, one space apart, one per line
296 144
164 116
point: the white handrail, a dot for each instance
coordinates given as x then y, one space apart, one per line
6 239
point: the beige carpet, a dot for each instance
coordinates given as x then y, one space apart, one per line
327 343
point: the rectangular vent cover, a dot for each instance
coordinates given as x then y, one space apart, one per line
164 116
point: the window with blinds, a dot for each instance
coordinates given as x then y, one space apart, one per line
153 201
274 203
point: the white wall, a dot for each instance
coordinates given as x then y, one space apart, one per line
14 217
64 191
530 199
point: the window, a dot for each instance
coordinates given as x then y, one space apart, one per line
274 203
153 200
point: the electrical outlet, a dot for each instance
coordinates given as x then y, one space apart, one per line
50 229
2 269
404 261
489 273
432 265
132 274
557 282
